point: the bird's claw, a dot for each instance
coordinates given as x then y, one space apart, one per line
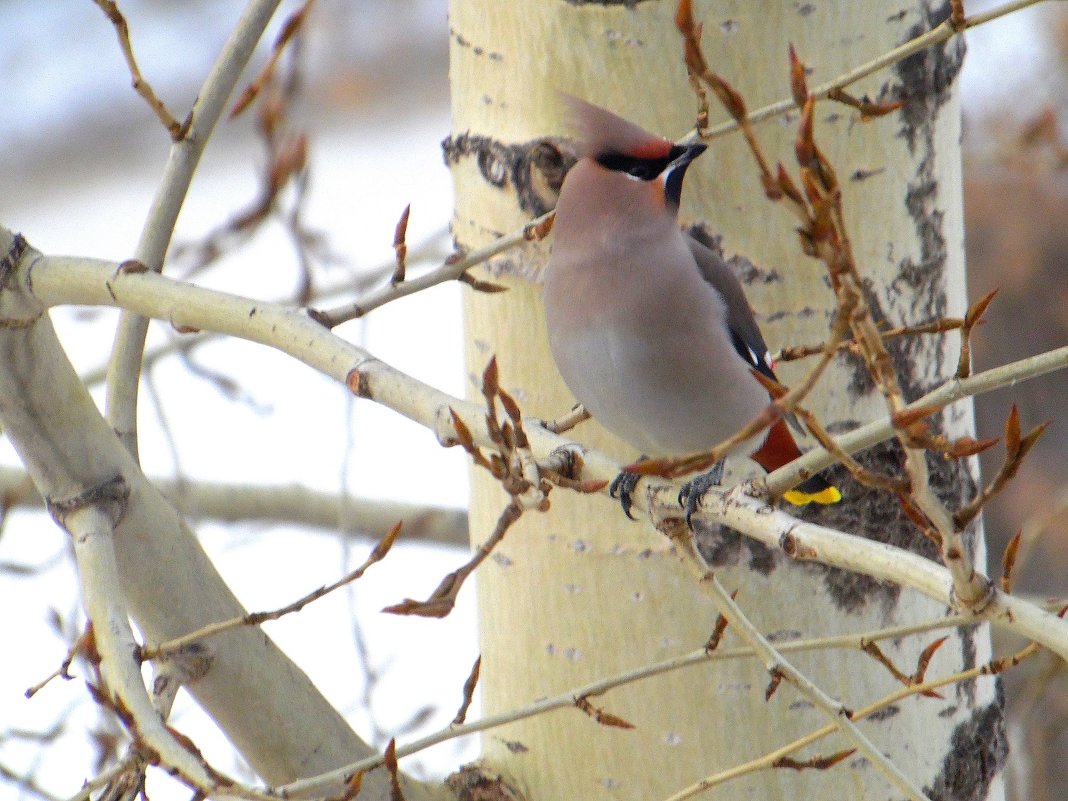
692 491
622 488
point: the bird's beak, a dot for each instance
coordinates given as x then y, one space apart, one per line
676 169
686 154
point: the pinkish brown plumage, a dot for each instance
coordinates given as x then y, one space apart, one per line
650 329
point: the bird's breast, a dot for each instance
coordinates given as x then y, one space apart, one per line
650 359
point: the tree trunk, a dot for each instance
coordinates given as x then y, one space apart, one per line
581 593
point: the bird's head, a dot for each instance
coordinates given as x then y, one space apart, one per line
620 146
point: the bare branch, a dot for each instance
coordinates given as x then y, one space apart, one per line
127 351
879 430
937 35
378 553
602 686
772 759
59 280
177 130
681 535
291 26
1016 449
292 503
453 269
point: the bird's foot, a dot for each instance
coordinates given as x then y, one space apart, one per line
622 488
692 491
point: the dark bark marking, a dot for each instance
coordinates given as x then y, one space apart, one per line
478 51
966 689
885 714
533 170
476 782
624 3
852 592
112 496
926 76
14 254
722 547
924 80
977 751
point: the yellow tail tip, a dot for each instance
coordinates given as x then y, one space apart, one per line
825 496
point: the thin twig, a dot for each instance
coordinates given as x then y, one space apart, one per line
795 352
769 759
290 27
777 665
177 130
26 784
937 35
128 348
442 600
451 270
1017 447
951 391
378 553
601 686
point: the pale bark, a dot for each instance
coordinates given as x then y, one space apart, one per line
142 560
244 503
583 593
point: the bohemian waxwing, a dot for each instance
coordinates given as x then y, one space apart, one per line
649 328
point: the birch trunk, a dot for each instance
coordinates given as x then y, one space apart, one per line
580 592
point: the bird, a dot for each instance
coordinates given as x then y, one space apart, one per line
649 328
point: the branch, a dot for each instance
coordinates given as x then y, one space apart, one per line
84 281
773 758
953 390
428 249
937 35
125 371
90 282
808 542
267 706
453 268
281 504
681 534
378 553
91 523
567 699
176 129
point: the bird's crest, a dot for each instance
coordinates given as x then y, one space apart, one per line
600 132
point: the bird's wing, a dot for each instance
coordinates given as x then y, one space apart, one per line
745 334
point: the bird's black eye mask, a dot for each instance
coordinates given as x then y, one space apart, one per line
642 169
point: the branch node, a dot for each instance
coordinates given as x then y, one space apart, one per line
112 495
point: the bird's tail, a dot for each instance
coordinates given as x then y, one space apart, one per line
779 449
813 490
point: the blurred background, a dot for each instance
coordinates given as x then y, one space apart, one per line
364 93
